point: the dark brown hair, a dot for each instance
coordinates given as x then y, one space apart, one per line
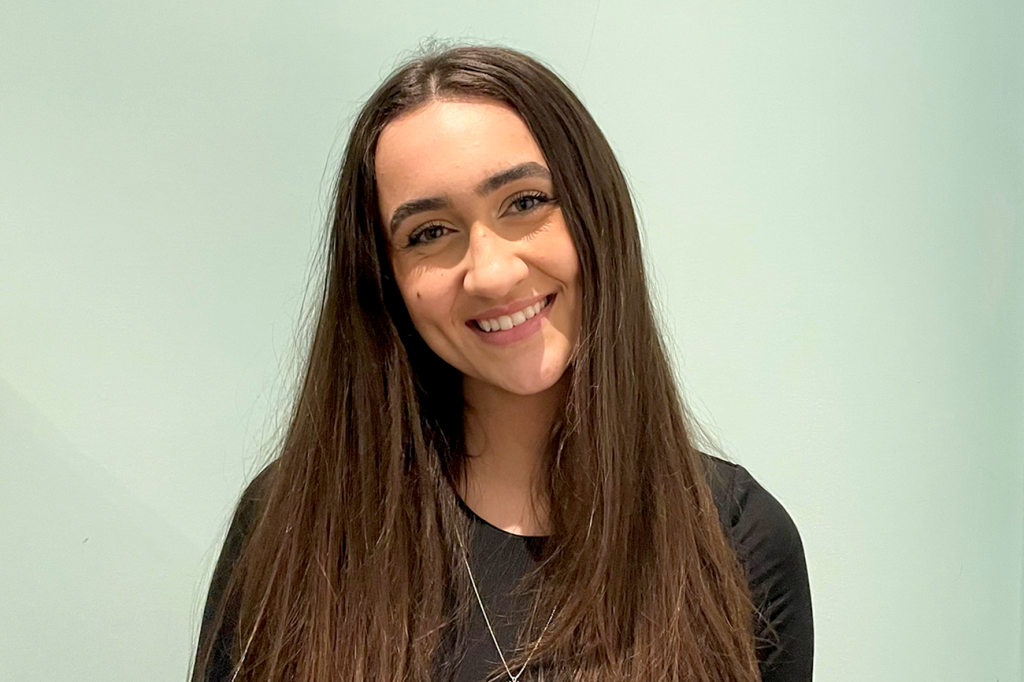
352 569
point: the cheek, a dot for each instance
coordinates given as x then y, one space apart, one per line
413 298
573 264
564 259
425 300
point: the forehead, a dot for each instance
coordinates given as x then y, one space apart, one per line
447 147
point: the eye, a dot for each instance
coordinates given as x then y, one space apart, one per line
426 234
529 200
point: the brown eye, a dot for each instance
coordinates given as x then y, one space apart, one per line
426 234
529 201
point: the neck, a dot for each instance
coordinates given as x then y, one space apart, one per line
506 436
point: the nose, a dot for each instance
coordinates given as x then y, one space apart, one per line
494 266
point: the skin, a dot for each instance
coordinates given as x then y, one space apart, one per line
481 251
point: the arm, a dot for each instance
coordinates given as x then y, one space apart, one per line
769 547
221 639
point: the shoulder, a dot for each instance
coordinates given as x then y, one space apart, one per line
248 508
246 514
751 516
257 491
769 547
214 634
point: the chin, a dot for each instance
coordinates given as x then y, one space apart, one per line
526 389
522 384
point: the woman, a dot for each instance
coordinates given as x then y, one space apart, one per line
489 471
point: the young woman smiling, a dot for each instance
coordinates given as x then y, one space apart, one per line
489 471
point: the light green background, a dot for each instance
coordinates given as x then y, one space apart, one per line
831 194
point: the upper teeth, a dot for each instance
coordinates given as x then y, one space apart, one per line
513 320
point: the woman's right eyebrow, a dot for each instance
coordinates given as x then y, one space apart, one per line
523 170
415 206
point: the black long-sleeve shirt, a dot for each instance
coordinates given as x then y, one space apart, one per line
761 531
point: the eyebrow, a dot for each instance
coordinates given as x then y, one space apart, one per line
530 169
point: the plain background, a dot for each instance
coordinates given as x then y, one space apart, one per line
831 195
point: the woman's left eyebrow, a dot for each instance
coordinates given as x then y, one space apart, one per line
530 169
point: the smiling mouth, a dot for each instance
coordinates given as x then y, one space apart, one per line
506 322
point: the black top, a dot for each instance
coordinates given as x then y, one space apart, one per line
764 536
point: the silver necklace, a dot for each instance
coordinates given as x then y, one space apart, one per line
511 677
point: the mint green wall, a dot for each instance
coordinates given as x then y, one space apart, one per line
832 202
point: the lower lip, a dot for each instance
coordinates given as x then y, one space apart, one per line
518 333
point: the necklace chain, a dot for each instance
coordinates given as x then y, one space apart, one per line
512 678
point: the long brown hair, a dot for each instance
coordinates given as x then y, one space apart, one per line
352 569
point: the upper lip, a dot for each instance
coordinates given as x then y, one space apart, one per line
508 309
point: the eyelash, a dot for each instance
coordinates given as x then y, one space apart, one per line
415 237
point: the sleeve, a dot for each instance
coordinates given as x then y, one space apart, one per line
220 664
770 549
